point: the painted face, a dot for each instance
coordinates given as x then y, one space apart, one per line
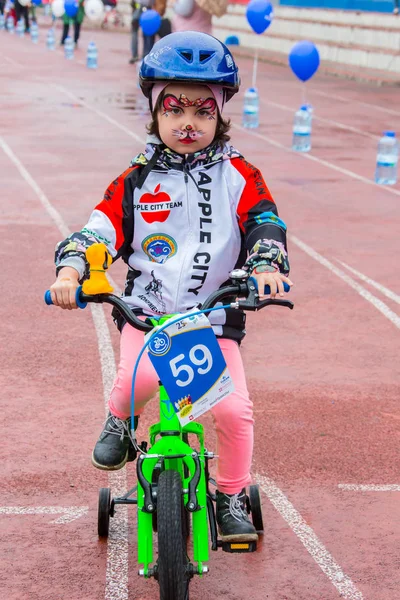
187 119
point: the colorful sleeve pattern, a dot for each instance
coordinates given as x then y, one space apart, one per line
107 224
264 230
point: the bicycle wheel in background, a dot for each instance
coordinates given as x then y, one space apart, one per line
173 577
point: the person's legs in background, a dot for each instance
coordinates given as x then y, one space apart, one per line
135 36
65 32
25 14
77 30
148 43
18 10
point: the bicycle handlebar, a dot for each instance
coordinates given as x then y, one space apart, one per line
244 290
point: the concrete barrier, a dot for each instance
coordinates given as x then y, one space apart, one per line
367 40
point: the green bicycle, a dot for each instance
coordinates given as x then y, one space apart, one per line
173 495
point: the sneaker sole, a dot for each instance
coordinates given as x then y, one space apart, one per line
239 537
111 467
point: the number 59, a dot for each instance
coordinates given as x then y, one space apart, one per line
205 358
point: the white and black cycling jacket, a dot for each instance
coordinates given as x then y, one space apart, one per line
181 223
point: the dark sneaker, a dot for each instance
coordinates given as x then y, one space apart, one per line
114 446
133 60
232 518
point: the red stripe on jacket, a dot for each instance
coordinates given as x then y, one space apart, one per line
254 191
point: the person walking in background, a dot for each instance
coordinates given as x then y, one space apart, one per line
139 6
196 15
77 21
22 12
2 5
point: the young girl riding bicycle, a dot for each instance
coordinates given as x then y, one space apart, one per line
184 214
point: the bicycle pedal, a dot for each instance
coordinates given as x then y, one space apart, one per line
234 547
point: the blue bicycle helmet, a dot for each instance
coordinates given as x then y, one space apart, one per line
190 57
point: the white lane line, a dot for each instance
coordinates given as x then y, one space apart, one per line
117 548
12 62
384 290
309 539
309 156
351 487
390 111
54 214
317 118
100 113
68 513
378 304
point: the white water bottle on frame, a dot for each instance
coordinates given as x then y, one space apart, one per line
69 48
10 25
302 130
51 39
20 29
387 159
91 57
250 118
34 32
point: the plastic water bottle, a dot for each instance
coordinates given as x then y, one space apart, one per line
387 159
250 117
34 33
302 129
10 24
2 22
69 48
51 39
20 28
91 57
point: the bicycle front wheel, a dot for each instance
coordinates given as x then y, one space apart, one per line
173 575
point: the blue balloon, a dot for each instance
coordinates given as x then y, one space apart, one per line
232 40
71 8
150 22
37 2
304 60
259 14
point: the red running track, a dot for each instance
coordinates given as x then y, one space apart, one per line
324 377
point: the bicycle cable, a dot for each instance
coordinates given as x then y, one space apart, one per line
132 434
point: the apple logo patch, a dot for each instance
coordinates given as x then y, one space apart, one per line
156 207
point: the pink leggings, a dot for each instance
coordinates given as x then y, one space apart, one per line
233 416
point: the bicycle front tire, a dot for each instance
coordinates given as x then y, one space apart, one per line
173 576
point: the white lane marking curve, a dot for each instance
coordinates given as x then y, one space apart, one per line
116 587
68 513
309 539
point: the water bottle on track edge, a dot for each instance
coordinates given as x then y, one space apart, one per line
387 159
302 129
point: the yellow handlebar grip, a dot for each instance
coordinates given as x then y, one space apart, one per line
99 260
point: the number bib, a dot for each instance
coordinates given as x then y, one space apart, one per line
190 365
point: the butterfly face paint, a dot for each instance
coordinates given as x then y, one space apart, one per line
187 118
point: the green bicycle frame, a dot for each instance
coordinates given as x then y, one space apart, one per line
165 445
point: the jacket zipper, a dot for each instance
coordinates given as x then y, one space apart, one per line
186 180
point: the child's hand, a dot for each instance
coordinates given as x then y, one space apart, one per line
274 279
64 288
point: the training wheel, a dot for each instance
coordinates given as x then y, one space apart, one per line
255 508
103 515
